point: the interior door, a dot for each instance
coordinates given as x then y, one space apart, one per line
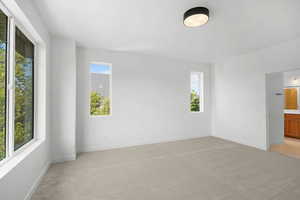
275 108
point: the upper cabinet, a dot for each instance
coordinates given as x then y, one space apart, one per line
291 98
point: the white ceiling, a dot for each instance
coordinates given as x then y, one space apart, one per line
156 27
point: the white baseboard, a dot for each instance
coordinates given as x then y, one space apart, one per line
37 182
64 159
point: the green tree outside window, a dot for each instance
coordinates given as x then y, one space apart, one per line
195 102
99 105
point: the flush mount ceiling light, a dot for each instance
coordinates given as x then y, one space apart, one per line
196 17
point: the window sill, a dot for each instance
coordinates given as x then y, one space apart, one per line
10 164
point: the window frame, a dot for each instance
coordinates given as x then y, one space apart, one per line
7 136
12 23
5 11
201 87
110 89
20 27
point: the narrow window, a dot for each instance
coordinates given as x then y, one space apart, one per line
100 90
196 92
3 67
23 98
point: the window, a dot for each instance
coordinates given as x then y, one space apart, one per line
100 90
23 100
3 66
196 92
16 87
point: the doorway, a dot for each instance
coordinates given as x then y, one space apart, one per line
283 108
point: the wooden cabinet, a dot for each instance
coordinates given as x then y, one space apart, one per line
291 98
292 125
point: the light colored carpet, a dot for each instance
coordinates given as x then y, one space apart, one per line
198 169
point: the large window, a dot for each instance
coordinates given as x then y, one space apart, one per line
23 100
100 90
196 93
16 87
3 66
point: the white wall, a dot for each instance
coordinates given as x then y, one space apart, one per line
18 183
150 101
275 108
240 105
63 99
292 78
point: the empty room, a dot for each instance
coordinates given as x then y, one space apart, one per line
149 100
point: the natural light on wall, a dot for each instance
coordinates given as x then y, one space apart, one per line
196 92
100 89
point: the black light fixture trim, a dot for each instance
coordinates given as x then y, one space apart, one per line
196 11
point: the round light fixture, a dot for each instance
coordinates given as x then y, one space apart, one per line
196 17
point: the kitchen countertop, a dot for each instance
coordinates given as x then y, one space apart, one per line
292 111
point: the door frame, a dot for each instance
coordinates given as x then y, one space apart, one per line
268 145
